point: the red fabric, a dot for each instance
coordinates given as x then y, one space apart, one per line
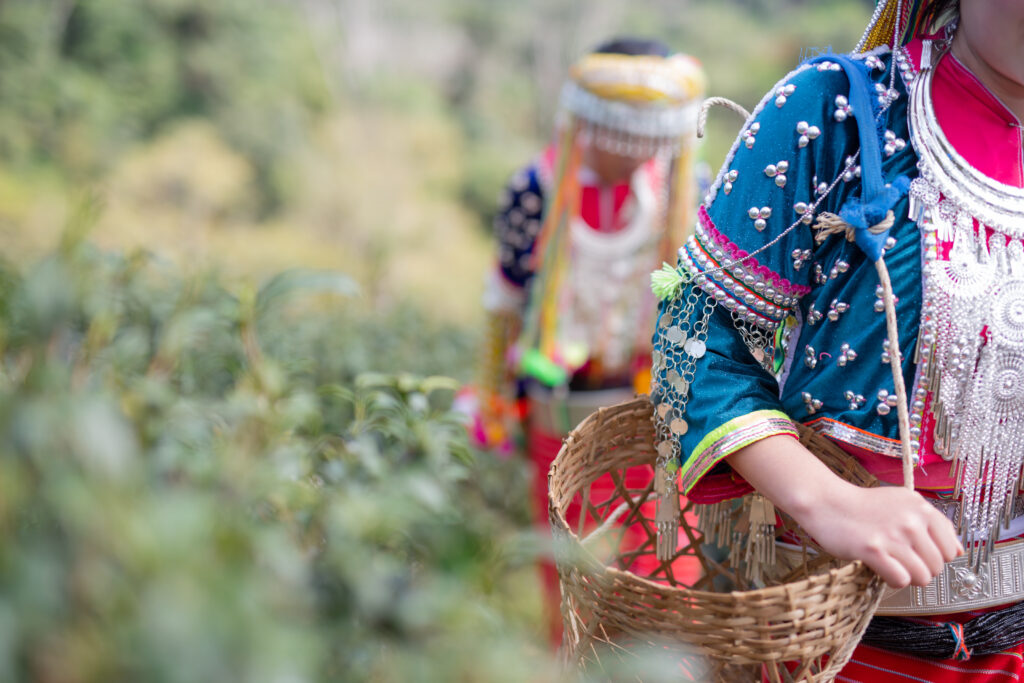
977 124
542 451
591 197
974 121
871 665
875 665
713 488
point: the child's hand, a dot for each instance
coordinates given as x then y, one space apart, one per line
891 529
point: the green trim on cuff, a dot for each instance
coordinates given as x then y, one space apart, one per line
725 440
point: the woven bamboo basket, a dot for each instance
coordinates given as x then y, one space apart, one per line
802 626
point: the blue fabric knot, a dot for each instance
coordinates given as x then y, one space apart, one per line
877 198
863 215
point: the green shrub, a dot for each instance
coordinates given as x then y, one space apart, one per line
183 501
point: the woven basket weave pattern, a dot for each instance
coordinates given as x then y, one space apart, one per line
812 622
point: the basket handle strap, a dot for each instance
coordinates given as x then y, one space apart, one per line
897 373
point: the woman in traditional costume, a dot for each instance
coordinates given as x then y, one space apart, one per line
910 150
578 233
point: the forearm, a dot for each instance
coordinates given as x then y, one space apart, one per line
789 475
892 529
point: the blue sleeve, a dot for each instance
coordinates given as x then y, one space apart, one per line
743 273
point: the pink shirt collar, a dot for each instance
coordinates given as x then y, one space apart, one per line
981 128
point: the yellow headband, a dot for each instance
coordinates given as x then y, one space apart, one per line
640 79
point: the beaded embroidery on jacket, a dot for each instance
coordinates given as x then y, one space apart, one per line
970 372
761 307
685 332
718 274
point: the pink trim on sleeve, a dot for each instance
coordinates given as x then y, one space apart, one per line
782 284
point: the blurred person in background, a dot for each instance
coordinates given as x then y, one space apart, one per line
579 231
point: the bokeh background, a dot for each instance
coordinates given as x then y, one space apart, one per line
243 249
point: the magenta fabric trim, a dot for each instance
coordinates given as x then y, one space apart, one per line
782 284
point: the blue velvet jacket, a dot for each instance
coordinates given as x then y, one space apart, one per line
811 305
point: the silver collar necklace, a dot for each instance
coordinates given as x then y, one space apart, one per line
971 344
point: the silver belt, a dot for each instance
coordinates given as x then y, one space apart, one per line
955 589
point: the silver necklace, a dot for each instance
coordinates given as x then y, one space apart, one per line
997 205
971 345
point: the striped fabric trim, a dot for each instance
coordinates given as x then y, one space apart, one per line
840 431
711 236
698 260
735 279
731 437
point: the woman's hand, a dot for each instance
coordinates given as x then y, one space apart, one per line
891 529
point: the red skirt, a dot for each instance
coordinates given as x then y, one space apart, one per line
871 665
874 665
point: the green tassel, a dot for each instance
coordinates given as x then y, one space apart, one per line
543 369
665 283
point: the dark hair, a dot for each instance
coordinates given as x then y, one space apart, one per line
629 45
937 10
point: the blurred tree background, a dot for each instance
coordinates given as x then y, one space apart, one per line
206 479
367 135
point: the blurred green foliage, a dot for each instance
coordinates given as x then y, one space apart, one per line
370 136
83 81
182 499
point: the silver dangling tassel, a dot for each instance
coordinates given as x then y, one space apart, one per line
760 551
666 516
753 539
714 521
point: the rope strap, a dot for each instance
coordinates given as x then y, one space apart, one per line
828 224
702 115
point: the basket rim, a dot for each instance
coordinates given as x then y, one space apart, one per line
845 572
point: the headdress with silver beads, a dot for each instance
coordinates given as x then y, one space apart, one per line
635 105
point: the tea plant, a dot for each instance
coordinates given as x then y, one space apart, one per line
192 490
